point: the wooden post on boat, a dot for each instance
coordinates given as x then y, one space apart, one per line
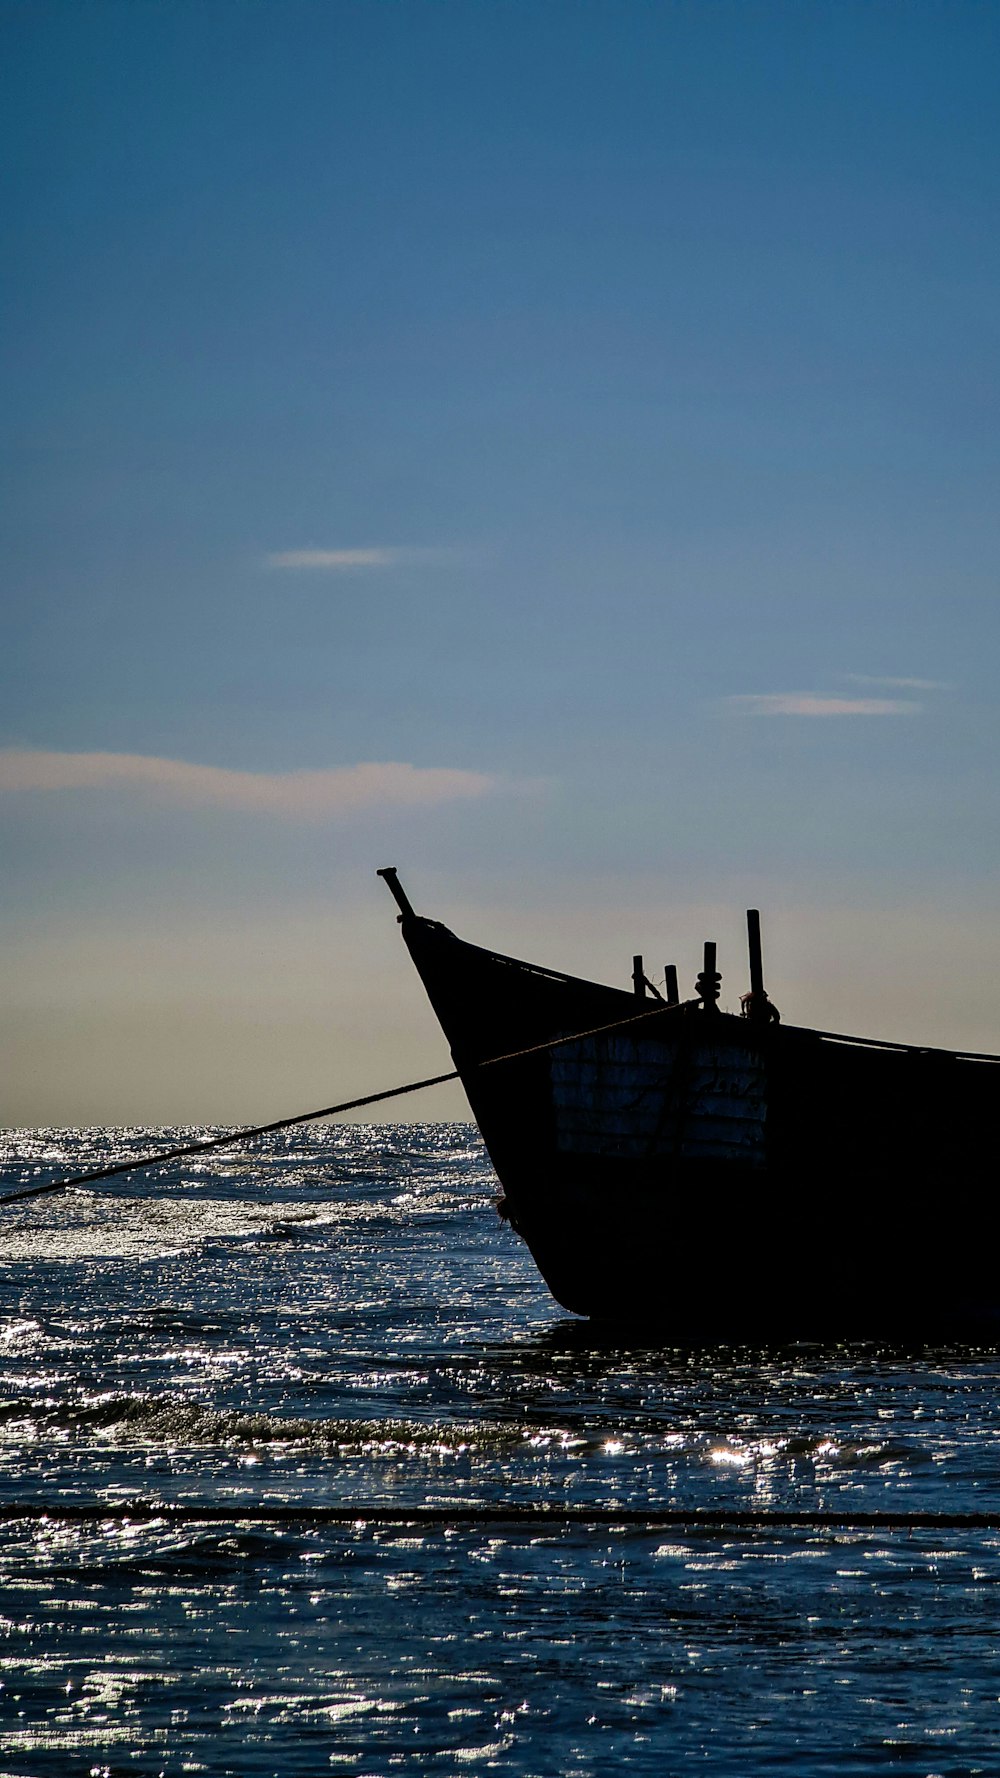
673 992
709 981
756 957
756 1005
638 978
399 894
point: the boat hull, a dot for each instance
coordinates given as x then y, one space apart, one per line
724 1180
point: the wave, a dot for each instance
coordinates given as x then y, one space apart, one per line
119 1418
172 1420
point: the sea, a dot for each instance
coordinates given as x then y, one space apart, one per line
337 1317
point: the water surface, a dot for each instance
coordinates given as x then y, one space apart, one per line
338 1316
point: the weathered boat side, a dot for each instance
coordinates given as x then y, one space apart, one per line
694 1097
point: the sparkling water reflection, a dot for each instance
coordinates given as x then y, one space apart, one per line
341 1317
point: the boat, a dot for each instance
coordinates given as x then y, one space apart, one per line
728 1177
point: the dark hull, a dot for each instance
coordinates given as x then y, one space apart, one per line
725 1180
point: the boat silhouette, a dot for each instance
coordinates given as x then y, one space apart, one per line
728 1177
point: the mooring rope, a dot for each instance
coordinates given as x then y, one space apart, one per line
528 1517
233 1137
227 1141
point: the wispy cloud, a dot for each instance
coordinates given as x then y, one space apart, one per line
806 703
304 795
897 684
344 561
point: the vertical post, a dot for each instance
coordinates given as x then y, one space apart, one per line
756 956
638 978
673 992
709 980
756 1005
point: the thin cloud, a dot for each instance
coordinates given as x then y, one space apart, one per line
804 703
898 684
343 561
303 795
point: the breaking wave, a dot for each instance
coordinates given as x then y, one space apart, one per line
117 1418
158 1419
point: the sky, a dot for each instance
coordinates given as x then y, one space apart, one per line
549 447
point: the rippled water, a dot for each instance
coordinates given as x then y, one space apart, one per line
340 1317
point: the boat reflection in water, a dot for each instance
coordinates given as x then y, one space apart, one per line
726 1177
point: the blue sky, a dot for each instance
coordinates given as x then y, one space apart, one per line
589 407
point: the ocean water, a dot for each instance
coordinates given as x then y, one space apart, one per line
337 1317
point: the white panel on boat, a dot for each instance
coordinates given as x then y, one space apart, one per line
616 1095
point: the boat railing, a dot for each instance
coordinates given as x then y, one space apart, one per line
902 1049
